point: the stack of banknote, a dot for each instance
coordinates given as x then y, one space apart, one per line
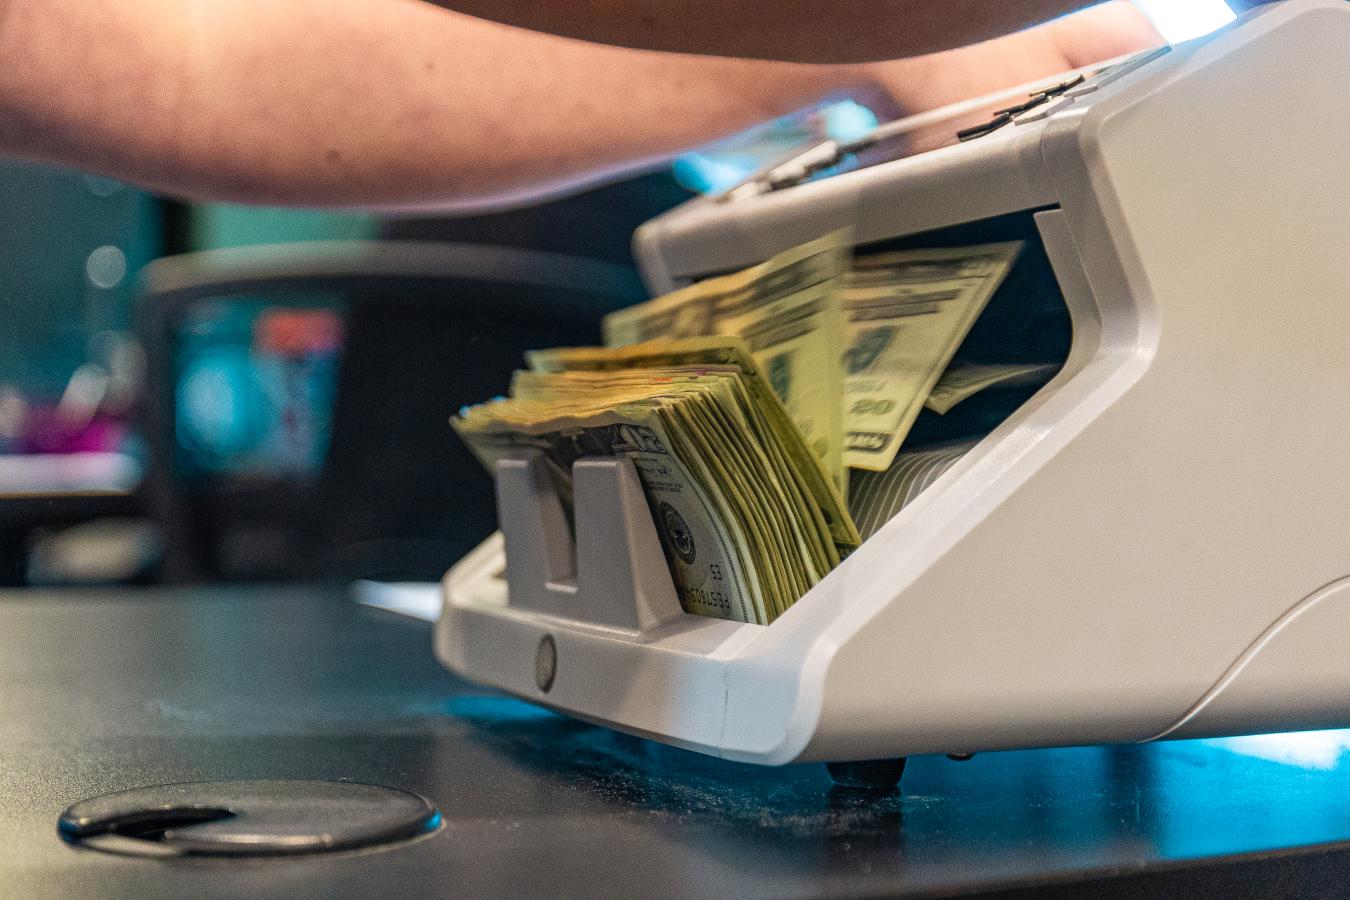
746 514
745 400
788 311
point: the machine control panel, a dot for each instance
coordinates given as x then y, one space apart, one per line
922 133
1014 113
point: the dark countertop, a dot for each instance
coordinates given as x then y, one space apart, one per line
108 690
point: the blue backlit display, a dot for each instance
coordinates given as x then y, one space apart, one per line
727 163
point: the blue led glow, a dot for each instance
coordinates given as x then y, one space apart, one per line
1181 20
847 121
490 709
1304 749
710 172
729 162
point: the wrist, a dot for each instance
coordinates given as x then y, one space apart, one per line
8 72
860 82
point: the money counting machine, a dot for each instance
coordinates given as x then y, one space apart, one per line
1154 545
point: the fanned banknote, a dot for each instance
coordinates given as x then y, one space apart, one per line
877 497
787 309
963 381
907 313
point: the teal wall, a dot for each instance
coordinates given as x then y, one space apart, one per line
218 225
71 246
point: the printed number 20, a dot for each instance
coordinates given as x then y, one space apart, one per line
873 407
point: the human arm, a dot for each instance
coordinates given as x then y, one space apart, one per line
797 30
390 104
937 79
396 104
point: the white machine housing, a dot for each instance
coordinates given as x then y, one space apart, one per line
1157 545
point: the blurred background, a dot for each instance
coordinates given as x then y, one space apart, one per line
219 393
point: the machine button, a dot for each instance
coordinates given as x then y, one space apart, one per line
1035 101
1062 87
1044 112
974 131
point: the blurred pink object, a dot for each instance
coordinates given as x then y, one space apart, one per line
48 430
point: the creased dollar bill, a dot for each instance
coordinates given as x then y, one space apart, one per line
961 382
907 314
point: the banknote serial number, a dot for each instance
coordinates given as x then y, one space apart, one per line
698 597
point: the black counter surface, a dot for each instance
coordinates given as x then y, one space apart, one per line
108 690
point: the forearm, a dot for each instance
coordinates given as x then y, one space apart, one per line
320 102
1100 33
799 30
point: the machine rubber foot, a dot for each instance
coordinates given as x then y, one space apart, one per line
868 775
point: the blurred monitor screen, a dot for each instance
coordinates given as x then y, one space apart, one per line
254 384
